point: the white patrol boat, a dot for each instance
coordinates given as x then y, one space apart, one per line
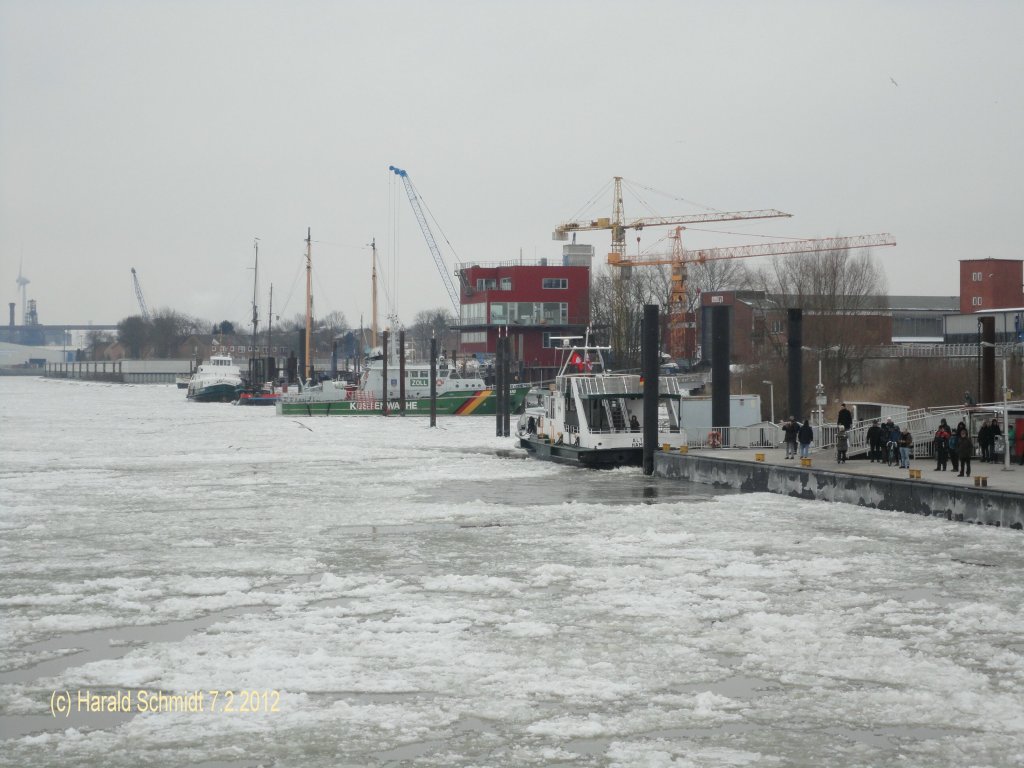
594 418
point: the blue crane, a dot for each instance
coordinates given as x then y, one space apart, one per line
414 199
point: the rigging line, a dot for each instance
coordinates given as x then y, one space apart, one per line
338 245
300 265
592 201
675 197
642 202
748 234
439 229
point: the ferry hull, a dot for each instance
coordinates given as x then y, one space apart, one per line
480 403
216 393
594 458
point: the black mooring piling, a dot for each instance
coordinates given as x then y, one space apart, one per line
720 386
384 375
433 381
650 353
795 357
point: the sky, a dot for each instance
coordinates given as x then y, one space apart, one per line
168 136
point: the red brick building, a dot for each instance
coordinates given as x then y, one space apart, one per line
535 301
991 284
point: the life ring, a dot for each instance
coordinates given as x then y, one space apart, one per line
714 439
440 382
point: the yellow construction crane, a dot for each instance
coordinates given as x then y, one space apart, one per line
678 258
618 225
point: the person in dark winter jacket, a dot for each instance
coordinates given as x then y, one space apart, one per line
845 418
985 441
789 433
940 444
876 442
964 450
806 437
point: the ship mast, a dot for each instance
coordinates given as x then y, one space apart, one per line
255 313
373 281
309 300
270 340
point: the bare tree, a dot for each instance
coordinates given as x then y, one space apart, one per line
843 297
133 333
435 323
616 309
168 329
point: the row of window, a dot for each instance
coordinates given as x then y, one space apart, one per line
480 337
976 276
516 313
491 283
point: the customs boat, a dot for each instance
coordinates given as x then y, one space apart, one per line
458 394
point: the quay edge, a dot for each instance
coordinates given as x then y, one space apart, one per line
969 504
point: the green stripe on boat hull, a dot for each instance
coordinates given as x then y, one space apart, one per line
482 403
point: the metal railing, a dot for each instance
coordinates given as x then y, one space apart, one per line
936 350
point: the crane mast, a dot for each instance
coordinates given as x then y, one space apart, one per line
138 295
421 218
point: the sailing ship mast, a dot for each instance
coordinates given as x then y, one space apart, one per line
373 275
309 301
255 314
271 374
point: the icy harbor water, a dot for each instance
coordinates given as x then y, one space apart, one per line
397 595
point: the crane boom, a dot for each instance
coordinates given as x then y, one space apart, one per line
138 295
760 249
562 230
417 209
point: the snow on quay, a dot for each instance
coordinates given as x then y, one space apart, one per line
426 597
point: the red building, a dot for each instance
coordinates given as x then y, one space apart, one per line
991 284
535 301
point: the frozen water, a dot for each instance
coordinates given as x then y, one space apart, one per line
424 596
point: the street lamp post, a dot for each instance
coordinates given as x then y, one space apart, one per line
1006 433
771 396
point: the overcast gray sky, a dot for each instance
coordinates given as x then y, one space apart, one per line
167 135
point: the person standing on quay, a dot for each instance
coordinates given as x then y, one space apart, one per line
941 445
906 442
845 418
985 441
806 437
789 432
964 450
842 445
875 442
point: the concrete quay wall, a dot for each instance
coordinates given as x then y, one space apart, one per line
968 504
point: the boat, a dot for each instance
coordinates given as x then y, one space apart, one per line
266 396
458 394
218 381
183 380
592 417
